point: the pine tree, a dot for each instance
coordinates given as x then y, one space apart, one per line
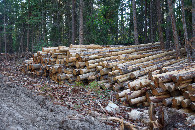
175 35
135 23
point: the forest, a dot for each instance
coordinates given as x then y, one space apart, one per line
97 64
28 25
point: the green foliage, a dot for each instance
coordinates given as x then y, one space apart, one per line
105 22
99 89
78 84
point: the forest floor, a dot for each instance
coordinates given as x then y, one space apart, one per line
28 102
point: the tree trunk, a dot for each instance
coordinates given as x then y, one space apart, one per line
0 45
145 19
28 31
135 23
159 13
5 39
122 25
73 22
151 23
187 47
168 31
81 23
175 35
193 26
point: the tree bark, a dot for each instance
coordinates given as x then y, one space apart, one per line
0 45
145 19
175 35
159 13
151 23
193 26
28 31
168 31
73 22
81 39
135 23
187 47
5 39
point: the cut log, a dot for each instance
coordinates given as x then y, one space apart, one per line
49 49
91 46
92 77
84 71
102 82
136 83
164 77
184 75
134 94
192 97
150 68
167 101
137 100
191 87
158 91
176 102
186 94
80 64
182 86
76 71
152 85
116 87
185 103
165 86
114 73
105 71
28 62
103 77
91 66
122 94
39 73
63 48
157 99
171 87
145 82
61 77
99 68
85 76
35 66
192 106
107 85
68 71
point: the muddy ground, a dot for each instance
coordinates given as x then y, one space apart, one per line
21 108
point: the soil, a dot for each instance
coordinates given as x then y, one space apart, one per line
21 108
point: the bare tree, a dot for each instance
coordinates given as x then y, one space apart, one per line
135 23
73 21
159 13
81 39
175 35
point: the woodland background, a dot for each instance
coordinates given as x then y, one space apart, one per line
28 25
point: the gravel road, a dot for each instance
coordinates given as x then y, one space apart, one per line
22 109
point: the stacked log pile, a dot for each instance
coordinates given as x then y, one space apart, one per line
135 72
171 86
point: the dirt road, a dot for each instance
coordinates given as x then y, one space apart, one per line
20 109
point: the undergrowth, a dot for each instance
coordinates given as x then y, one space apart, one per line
94 87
